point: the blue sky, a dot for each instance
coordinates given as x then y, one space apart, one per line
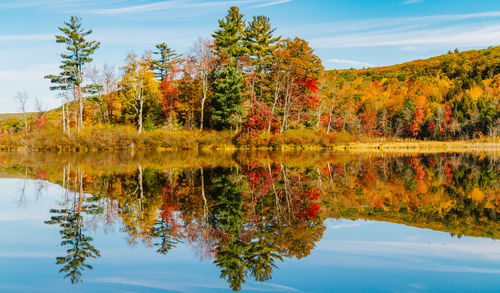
345 34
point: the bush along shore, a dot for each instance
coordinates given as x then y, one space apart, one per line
119 138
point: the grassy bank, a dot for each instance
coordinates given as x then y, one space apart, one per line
109 138
98 138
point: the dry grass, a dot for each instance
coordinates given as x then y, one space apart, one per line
98 138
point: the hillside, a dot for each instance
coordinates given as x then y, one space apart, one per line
7 116
451 96
475 64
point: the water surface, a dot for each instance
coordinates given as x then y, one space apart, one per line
184 222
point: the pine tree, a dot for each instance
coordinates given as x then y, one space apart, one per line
260 42
229 38
227 95
164 63
78 52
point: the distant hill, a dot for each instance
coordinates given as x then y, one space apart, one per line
468 66
17 116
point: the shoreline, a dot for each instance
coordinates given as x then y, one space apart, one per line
124 138
401 147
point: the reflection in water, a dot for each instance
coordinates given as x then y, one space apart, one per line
70 219
247 213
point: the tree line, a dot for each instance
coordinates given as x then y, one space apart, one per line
248 79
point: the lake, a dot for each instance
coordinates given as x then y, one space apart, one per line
249 221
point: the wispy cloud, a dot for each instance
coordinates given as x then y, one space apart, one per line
26 37
38 71
21 4
271 3
464 35
412 1
354 64
487 250
173 5
404 31
170 8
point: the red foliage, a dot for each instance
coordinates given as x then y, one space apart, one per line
313 210
258 119
170 90
41 174
418 119
40 121
418 168
432 127
369 122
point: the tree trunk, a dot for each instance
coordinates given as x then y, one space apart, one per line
80 109
330 120
205 206
25 122
141 187
285 111
203 105
276 95
63 119
139 120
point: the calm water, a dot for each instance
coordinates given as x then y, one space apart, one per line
252 222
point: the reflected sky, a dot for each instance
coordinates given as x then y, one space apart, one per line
352 256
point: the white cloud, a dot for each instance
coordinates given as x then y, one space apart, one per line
271 3
352 63
390 24
487 250
412 1
28 254
35 37
463 35
38 71
187 5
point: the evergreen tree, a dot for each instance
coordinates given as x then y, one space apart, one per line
229 38
164 63
227 216
78 53
260 42
227 95
79 246
164 238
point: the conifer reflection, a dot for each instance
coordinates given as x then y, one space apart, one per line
254 212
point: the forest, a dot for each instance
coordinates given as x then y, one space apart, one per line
248 213
245 85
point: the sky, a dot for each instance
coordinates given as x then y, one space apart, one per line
344 34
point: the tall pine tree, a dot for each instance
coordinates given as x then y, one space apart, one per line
229 38
227 95
78 53
260 42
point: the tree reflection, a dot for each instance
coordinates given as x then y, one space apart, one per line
71 220
249 216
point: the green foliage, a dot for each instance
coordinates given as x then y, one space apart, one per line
227 95
166 58
229 37
78 53
79 245
260 42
